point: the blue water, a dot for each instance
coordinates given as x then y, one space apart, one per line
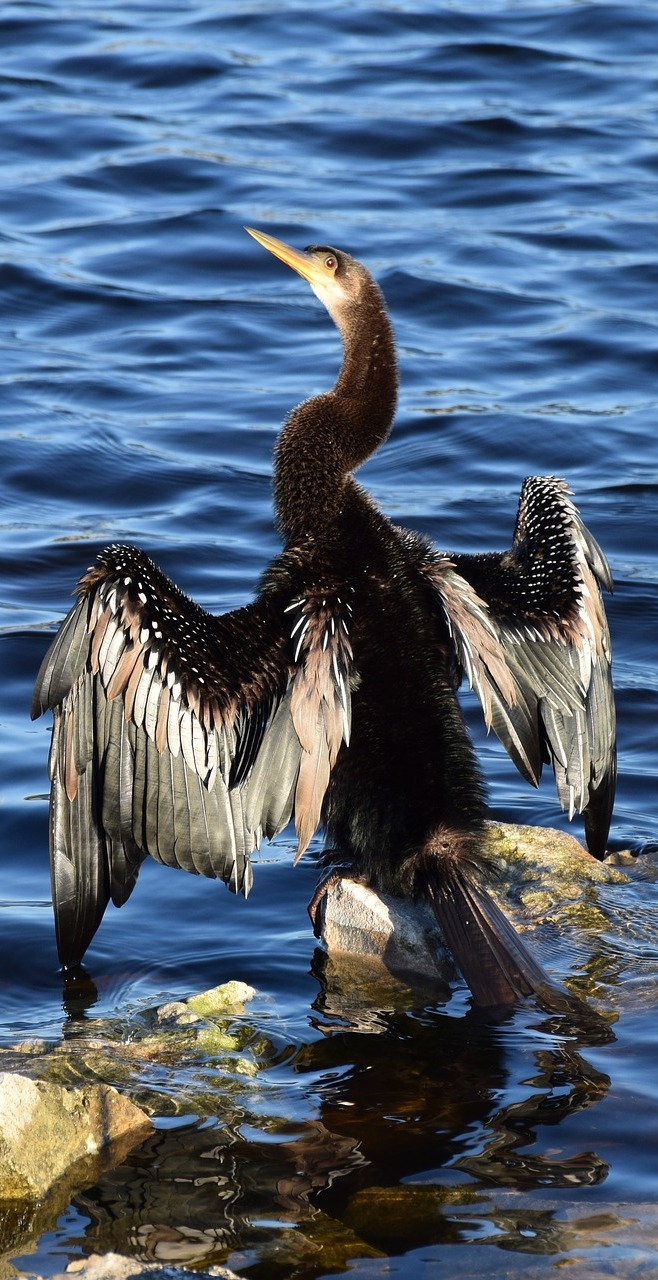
496 167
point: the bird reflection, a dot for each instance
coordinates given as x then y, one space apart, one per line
396 1144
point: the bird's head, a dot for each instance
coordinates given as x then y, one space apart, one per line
338 280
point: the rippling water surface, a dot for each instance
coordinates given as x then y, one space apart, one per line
495 165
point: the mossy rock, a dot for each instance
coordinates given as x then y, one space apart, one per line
549 875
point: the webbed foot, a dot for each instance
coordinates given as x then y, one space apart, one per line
336 865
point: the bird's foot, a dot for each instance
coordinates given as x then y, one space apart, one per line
336 865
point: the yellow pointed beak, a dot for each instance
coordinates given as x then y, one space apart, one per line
306 266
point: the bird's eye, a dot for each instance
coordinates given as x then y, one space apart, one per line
330 262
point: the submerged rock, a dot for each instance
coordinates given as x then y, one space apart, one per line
64 1124
46 1129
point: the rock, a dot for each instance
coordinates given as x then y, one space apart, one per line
228 998
544 874
547 875
219 1002
114 1266
46 1129
176 1013
403 935
199 1023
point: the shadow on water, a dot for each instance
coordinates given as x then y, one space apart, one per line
414 1119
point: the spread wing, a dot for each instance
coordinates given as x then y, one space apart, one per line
182 735
534 616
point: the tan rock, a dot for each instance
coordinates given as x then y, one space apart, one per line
46 1129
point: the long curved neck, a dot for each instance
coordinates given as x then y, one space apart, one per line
324 439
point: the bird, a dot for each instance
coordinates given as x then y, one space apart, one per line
331 698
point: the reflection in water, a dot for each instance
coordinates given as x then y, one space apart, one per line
191 1194
414 1118
564 1084
79 995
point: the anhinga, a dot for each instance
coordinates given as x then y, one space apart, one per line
331 697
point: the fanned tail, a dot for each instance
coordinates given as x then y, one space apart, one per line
493 959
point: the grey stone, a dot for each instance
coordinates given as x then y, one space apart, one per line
402 935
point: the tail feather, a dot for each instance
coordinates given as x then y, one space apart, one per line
494 961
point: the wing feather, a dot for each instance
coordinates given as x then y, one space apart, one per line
320 700
182 735
536 613
270 789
